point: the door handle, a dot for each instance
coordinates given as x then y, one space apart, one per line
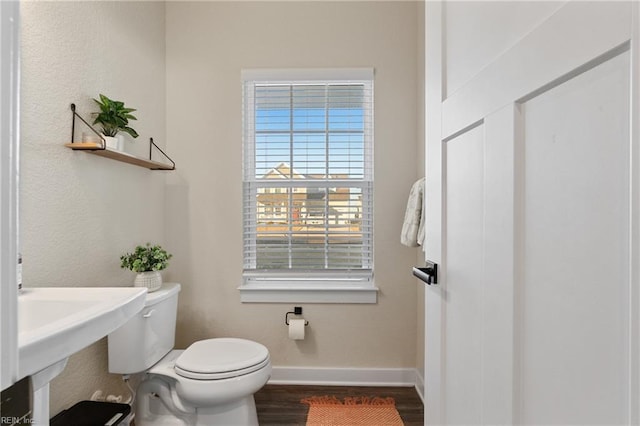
428 274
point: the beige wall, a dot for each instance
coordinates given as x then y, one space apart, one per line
208 43
79 212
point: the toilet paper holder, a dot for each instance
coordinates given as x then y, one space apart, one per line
296 311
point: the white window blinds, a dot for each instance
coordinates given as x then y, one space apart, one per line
308 176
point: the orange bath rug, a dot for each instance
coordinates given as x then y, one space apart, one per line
353 411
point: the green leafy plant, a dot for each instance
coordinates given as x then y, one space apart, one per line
146 258
114 117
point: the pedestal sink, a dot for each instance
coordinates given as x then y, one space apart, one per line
55 322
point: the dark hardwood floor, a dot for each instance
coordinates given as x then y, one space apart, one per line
279 405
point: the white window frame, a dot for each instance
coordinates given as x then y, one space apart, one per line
318 286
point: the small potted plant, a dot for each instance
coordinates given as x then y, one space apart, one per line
114 118
147 261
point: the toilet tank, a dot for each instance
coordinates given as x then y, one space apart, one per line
147 337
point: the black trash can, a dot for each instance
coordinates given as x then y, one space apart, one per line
94 413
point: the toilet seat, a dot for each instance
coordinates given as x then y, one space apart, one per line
221 358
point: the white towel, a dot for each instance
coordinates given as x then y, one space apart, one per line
413 232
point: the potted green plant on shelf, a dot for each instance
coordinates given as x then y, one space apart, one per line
147 261
114 118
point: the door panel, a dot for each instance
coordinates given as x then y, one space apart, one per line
566 41
576 250
465 217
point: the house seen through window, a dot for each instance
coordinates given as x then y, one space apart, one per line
308 178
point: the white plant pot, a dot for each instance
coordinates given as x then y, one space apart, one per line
150 279
115 143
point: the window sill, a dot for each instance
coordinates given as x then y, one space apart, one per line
274 293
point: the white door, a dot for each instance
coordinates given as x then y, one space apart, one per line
9 143
532 215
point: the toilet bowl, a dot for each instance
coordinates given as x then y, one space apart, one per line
211 382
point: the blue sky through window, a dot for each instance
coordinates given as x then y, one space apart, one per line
313 141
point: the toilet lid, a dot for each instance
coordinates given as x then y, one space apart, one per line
221 358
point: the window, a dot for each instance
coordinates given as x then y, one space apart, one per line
308 186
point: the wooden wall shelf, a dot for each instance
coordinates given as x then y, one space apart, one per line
96 149
101 150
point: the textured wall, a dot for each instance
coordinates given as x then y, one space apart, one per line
79 212
208 43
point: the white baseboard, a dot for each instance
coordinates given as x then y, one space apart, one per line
328 376
420 385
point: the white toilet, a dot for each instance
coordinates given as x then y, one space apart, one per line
212 382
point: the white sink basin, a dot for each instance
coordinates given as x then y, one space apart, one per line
55 322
